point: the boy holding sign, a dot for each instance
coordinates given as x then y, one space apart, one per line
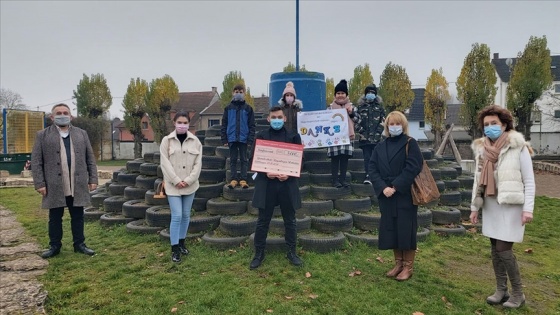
275 188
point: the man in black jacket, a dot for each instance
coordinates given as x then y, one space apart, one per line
272 189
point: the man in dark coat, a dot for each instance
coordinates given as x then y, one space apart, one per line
272 189
392 171
64 172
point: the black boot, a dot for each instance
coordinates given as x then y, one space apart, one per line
293 258
175 253
182 247
343 182
82 248
257 260
51 252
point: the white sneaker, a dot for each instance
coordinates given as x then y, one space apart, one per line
367 181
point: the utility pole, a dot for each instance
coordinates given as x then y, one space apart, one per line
297 35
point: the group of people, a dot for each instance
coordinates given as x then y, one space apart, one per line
64 172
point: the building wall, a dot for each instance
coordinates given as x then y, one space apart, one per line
205 119
125 150
415 131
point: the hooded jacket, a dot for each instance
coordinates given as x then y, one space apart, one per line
291 113
371 124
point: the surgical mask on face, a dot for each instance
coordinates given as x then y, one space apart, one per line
289 100
277 123
238 97
181 128
61 120
370 97
395 130
493 131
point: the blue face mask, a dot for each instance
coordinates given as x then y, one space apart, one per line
395 130
493 131
277 123
370 97
239 97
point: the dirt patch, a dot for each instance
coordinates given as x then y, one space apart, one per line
20 266
547 184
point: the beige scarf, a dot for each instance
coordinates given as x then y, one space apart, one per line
67 176
490 157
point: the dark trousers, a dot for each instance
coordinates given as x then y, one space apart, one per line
276 194
367 150
76 222
238 150
339 161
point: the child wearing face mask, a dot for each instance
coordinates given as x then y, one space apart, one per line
238 132
340 154
181 162
290 106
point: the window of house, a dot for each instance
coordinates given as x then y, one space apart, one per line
213 122
536 117
422 124
144 125
557 88
557 114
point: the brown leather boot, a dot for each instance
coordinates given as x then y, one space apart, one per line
517 298
398 264
501 295
408 265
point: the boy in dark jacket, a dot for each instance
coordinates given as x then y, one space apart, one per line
370 127
238 132
273 189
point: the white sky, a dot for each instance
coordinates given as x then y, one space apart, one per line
46 46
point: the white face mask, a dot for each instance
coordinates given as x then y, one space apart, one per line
395 130
289 100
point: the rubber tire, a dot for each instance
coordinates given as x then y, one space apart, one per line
97 200
133 193
238 227
369 240
223 243
310 155
164 235
358 176
149 157
210 191
317 167
277 225
213 162
304 179
213 141
213 133
199 204
325 179
330 193
222 151
202 222
145 182
359 189
150 200
448 173
148 169
157 157
111 219
250 180
237 193
200 132
92 214
116 189
218 206
440 185
127 179
329 224
436 173
443 217
159 172
113 204
322 244
255 211
445 231
158 216
140 227
433 163
422 235
366 222
314 207
274 243
354 205
424 218
134 165
467 182
466 195
452 184
450 198
427 154
355 164
208 176
135 209
208 150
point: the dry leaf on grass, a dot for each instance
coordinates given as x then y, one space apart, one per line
417 313
313 296
355 273
160 254
289 297
174 310
128 291
269 310
529 250
181 302
308 274
379 259
232 251
447 303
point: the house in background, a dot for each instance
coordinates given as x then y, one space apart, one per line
415 116
545 132
261 105
196 103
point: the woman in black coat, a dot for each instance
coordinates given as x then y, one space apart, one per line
392 171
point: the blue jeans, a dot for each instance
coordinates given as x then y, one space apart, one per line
180 216
238 149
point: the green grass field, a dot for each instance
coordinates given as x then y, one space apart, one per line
112 163
133 274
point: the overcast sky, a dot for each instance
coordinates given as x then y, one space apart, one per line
46 46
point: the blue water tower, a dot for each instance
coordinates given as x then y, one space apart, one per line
310 88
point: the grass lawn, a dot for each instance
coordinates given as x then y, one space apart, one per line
133 274
112 163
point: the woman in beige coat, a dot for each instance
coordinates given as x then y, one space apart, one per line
181 161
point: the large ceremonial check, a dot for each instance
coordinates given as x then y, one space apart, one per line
323 128
277 157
